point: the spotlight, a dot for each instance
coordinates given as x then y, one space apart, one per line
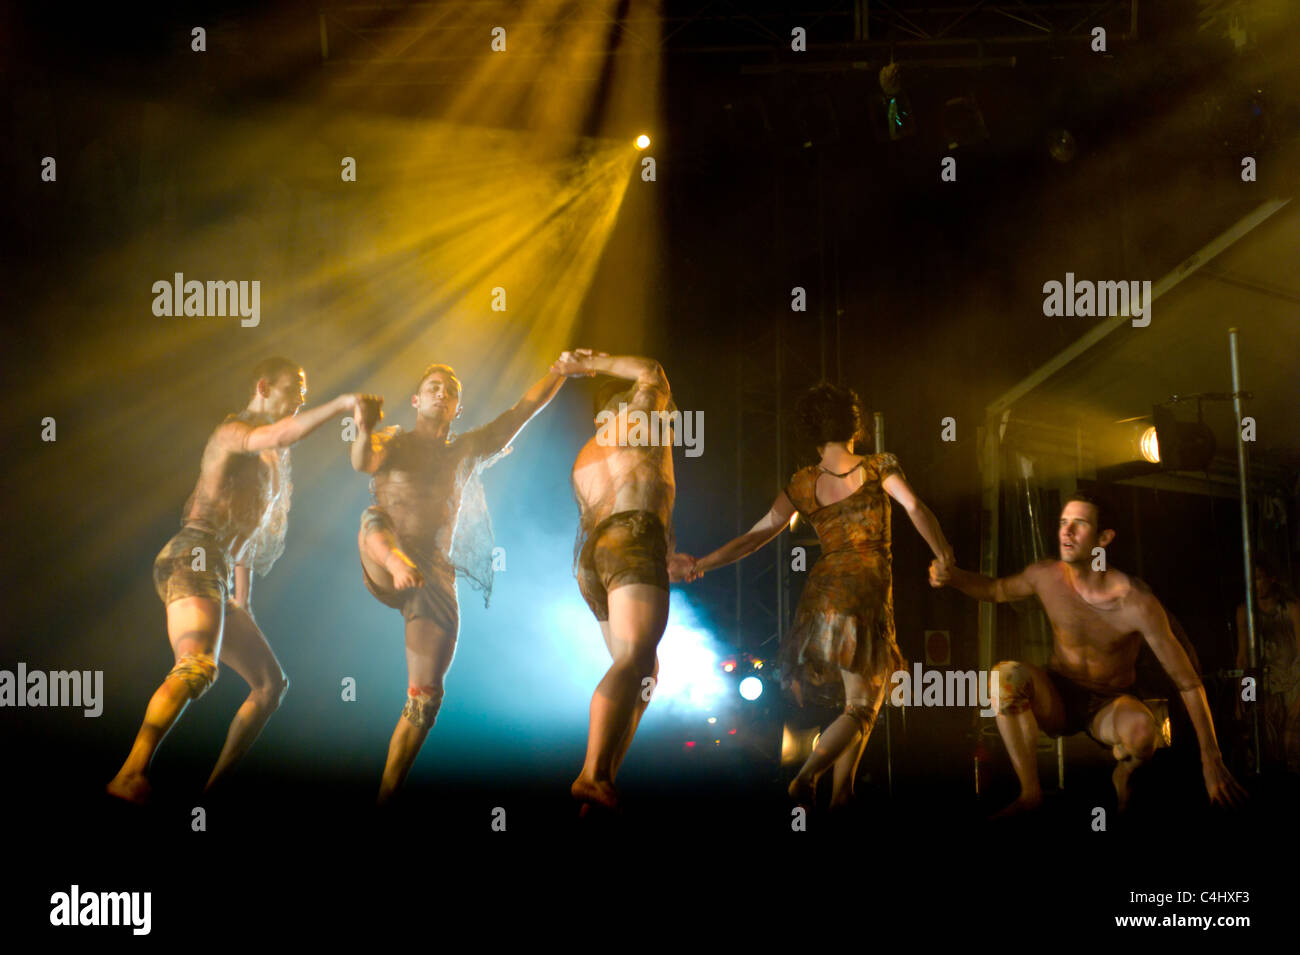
642 141
1148 445
751 688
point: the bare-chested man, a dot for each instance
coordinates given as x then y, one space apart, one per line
234 522
420 480
625 502
1099 618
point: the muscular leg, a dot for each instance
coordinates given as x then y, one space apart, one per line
194 627
1026 699
245 649
1129 728
429 651
844 740
642 701
638 614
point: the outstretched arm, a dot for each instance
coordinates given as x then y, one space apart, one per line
1154 623
768 527
923 519
585 362
242 438
506 426
1003 589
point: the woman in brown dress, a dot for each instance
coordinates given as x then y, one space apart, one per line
841 647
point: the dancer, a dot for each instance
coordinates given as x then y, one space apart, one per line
425 487
1279 657
625 506
233 523
1099 619
843 631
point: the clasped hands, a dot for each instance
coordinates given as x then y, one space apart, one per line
574 364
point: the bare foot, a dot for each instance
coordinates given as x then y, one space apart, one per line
1021 804
591 791
405 574
803 791
132 787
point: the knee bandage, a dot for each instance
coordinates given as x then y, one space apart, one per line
197 670
422 704
1011 690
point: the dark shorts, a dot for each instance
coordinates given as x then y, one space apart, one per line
174 574
436 600
1082 703
630 547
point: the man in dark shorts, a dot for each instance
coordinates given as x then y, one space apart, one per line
234 523
623 481
427 492
1099 618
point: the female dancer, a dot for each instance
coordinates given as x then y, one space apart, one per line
843 632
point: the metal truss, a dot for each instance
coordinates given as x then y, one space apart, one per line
435 42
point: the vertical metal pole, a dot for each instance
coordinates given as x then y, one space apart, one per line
1247 556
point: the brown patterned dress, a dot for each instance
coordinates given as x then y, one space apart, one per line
845 618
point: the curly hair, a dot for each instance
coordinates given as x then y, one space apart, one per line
826 413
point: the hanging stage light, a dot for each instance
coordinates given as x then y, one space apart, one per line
963 122
1061 145
1182 445
898 107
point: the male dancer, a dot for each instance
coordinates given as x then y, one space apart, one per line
235 520
1099 618
406 536
625 504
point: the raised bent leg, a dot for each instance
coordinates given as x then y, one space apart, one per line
1026 699
429 651
1129 728
194 626
638 614
245 650
383 558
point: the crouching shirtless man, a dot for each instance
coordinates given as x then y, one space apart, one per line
1099 618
